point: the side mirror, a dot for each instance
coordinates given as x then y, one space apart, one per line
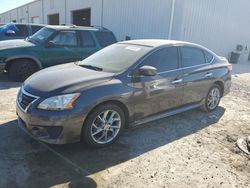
10 33
51 44
147 71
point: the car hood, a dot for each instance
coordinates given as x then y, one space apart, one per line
6 44
66 78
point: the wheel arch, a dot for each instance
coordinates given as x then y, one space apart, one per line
221 85
115 102
9 61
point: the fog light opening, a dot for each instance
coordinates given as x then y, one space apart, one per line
39 132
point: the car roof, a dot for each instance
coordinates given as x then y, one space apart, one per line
14 23
70 27
157 42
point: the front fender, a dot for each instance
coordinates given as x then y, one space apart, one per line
114 90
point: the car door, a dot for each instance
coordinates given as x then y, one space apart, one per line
62 48
154 94
197 74
88 45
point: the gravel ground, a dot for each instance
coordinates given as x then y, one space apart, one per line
192 149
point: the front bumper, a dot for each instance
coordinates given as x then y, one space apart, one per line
50 127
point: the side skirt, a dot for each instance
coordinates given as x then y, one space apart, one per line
165 114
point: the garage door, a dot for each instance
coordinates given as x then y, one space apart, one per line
53 19
81 17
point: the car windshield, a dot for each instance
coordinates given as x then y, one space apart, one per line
42 35
115 58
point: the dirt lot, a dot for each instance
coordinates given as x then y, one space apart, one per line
192 149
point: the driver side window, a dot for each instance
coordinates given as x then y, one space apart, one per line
65 39
165 59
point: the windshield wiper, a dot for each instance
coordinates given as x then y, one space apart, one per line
91 67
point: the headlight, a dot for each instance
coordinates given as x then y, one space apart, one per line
61 102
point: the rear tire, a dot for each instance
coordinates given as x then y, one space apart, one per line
108 119
213 98
20 70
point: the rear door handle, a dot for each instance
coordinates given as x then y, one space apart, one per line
178 81
208 75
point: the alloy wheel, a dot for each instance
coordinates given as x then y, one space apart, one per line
213 98
106 126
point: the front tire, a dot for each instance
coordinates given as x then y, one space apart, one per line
212 99
20 70
103 126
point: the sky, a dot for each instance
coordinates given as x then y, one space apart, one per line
10 4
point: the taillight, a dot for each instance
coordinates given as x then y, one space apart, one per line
230 67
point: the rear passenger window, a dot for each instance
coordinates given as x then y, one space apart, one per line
209 57
164 60
105 38
35 29
87 39
21 31
192 56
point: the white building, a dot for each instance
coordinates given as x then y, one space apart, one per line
220 25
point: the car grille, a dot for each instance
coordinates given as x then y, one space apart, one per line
25 99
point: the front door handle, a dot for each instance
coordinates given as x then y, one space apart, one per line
208 75
178 81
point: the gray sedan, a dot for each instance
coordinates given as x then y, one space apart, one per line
125 84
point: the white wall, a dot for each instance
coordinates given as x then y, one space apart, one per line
13 15
35 10
137 19
54 7
219 25
23 13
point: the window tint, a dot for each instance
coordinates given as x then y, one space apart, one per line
209 57
87 39
164 60
65 38
35 29
105 38
192 56
21 31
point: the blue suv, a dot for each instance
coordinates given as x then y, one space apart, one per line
18 30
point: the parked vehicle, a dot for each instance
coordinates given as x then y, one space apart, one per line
125 84
50 46
12 31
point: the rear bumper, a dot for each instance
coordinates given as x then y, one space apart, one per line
50 128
